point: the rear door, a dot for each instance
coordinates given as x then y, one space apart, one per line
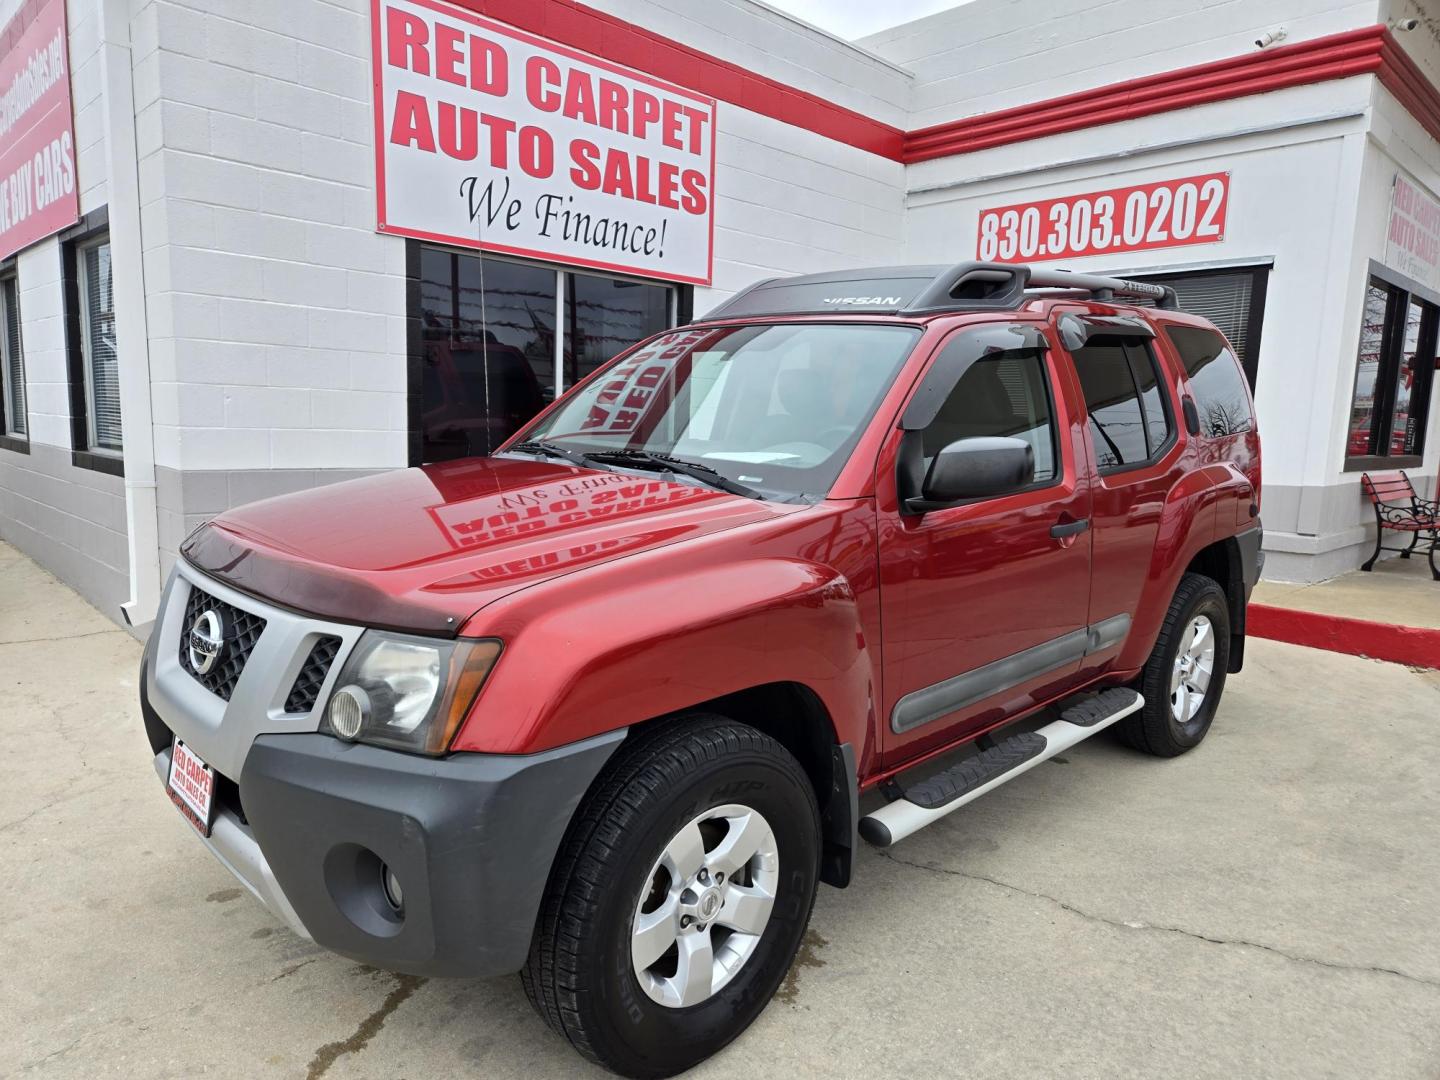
1134 445
983 604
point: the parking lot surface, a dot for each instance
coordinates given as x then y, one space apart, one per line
1262 907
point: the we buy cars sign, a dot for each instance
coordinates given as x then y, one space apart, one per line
38 192
494 139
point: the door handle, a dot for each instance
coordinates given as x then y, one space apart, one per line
1069 528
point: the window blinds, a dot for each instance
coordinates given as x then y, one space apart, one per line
14 363
102 368
1224 299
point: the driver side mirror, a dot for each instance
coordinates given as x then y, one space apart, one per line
975 469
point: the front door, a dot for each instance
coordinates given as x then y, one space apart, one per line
984 602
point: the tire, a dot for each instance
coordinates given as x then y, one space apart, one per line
613 873
1158 728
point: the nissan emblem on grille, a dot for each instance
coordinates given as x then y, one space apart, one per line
207 641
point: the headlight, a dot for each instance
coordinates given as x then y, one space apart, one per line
409 693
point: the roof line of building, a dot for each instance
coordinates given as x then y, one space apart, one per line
1368 50
1371 50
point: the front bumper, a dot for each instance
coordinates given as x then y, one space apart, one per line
470 837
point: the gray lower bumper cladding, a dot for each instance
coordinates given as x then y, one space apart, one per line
470 839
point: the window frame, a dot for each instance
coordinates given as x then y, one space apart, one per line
1401 291
93 228
1178 355
16 442
1044 348
1167 406
681 312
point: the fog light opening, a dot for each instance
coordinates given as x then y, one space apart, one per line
394 895
348 709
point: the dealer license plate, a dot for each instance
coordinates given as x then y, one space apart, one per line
192 787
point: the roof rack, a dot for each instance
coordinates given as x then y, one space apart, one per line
929 290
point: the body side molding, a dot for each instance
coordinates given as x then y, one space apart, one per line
930 703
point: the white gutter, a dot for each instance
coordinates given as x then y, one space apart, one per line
132 332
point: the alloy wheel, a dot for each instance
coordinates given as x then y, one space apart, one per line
705 905
1194 666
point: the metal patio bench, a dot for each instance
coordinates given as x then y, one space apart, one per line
1400 509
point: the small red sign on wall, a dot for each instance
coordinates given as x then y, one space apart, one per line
39 194
1170 213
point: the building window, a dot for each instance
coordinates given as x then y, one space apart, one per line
489 340
1129 417
1233 298
1393 375
12 366
101 366
606 315
90 345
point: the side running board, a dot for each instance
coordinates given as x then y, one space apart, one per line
931 799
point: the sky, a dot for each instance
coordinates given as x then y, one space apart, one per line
855 18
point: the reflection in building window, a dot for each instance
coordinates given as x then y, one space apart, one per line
1394 369
488 330
605 316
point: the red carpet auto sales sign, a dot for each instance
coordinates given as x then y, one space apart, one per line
491 138
38 192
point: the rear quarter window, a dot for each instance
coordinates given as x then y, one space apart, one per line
1216 380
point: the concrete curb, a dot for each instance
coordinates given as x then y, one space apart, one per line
1413 645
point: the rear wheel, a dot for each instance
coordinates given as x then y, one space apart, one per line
679 898
1185 675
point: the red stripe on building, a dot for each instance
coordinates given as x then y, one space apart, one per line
603 35
1338 56
1413 645
1403 78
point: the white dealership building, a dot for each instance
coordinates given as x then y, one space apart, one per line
240 243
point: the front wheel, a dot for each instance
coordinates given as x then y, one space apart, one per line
679 898
1185 675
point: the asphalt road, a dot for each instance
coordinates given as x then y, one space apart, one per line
1263 907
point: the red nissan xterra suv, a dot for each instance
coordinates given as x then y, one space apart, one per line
605 707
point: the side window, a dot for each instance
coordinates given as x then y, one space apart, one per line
1129 420
1216 381
1147 378
12 361
1001 394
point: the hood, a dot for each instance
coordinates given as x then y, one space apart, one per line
423 549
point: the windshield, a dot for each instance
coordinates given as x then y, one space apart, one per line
776 408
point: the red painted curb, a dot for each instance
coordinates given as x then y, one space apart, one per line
1416 646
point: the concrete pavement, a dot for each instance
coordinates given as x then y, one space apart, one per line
1397 591
1262 907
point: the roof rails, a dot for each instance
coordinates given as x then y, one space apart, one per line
978 284
929 290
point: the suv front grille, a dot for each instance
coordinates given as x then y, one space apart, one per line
312 676
240 630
